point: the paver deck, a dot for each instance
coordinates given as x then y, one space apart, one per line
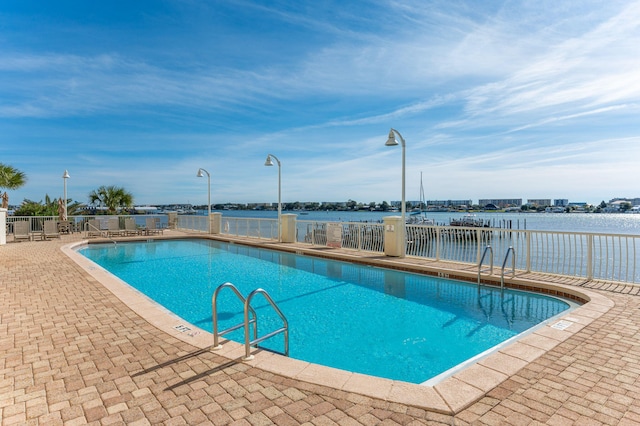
74 353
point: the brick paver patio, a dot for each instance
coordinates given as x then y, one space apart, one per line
73 353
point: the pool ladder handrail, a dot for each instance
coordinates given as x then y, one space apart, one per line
487 249
250 317
504 264
284 329
214 310
102 234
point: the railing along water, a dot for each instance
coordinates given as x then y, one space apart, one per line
612 257
78 223
592 256
362 236
193 222
250 227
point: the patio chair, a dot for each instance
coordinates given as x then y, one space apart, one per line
130 227
50 229
153 227
113 228
65 227
21 231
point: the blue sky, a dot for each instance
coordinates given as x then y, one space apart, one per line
497 99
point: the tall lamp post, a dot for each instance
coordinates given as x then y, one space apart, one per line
391 141
200 170
269 162
65 176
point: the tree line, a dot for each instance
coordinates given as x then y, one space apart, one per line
110 198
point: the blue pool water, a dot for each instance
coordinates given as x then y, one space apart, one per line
369 320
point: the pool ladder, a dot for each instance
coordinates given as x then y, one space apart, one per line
512 271
488 249
250 318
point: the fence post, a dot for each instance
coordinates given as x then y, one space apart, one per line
3 226
479 248
288 228
215 223
393 238
528 251
172 220
589 257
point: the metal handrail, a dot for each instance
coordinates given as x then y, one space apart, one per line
484 253
103 235
504 263
284 329
244 323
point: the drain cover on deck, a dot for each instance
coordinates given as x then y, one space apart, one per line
561 325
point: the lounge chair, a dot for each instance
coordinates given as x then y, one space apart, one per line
21 230
93 228
153 227
50 229
130 227
113 228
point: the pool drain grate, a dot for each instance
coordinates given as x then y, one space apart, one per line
561 325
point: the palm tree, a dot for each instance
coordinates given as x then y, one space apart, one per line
11 178
111 197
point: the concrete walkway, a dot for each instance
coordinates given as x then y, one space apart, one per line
73 353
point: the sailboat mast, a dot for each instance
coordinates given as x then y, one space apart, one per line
423 202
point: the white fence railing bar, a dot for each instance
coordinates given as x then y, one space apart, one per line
611 257
78 223
250 227
193 222
355 235
597 256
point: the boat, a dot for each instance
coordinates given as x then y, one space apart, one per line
417 216
469 220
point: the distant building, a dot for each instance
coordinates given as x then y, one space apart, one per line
615 206
334 203
145 209
561 202
501 202
540 202
632 201
449 203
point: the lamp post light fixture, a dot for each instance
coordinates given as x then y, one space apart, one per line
391 141
200 171
269 162
65 176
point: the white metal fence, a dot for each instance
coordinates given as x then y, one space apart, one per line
193 222
78 223
612 257
354 235
250 227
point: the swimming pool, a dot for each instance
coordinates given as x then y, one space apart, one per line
374 321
